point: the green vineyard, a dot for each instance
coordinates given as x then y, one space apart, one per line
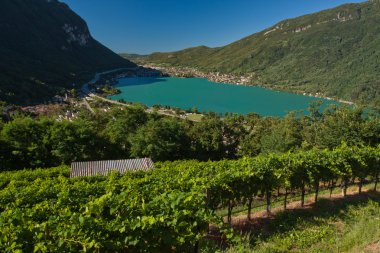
168 209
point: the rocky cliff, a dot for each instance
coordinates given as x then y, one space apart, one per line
46 48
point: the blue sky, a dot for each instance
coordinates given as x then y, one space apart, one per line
146 26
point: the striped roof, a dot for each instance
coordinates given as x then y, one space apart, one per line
86 169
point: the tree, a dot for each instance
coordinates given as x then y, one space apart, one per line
285 136
341 125
161 140
75 141
374 164
207 139
5 156
121 125
233 133
73 93
3 115
257 127
26 139
311 124
370 129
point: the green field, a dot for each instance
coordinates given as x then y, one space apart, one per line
195 117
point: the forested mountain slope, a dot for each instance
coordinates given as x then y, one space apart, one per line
44 48
335 52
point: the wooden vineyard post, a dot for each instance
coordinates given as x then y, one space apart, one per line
376 180
303 195
316 192
268 196
249 208
345 185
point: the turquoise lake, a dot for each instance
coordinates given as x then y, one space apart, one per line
186 93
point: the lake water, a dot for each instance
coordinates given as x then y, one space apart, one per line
186 93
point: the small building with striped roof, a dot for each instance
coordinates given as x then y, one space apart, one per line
94 168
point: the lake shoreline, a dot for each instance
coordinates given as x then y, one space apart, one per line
208 96
231 79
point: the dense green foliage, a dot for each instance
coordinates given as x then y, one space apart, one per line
45 48
334 52
120 133
164 210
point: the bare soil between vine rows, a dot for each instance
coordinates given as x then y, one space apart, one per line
260 221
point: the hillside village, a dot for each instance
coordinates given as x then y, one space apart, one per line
193 72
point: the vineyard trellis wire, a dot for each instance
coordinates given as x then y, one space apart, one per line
162 209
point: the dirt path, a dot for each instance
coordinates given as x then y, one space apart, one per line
309 203
149 110
85 87
260 220
88 106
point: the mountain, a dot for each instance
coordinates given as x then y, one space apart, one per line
133 57
45 48
335 52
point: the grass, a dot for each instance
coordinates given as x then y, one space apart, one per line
349 230
195 117
339 225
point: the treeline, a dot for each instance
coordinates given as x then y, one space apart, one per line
167 209
32 141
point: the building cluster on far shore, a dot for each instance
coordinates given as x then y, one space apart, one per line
216 77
